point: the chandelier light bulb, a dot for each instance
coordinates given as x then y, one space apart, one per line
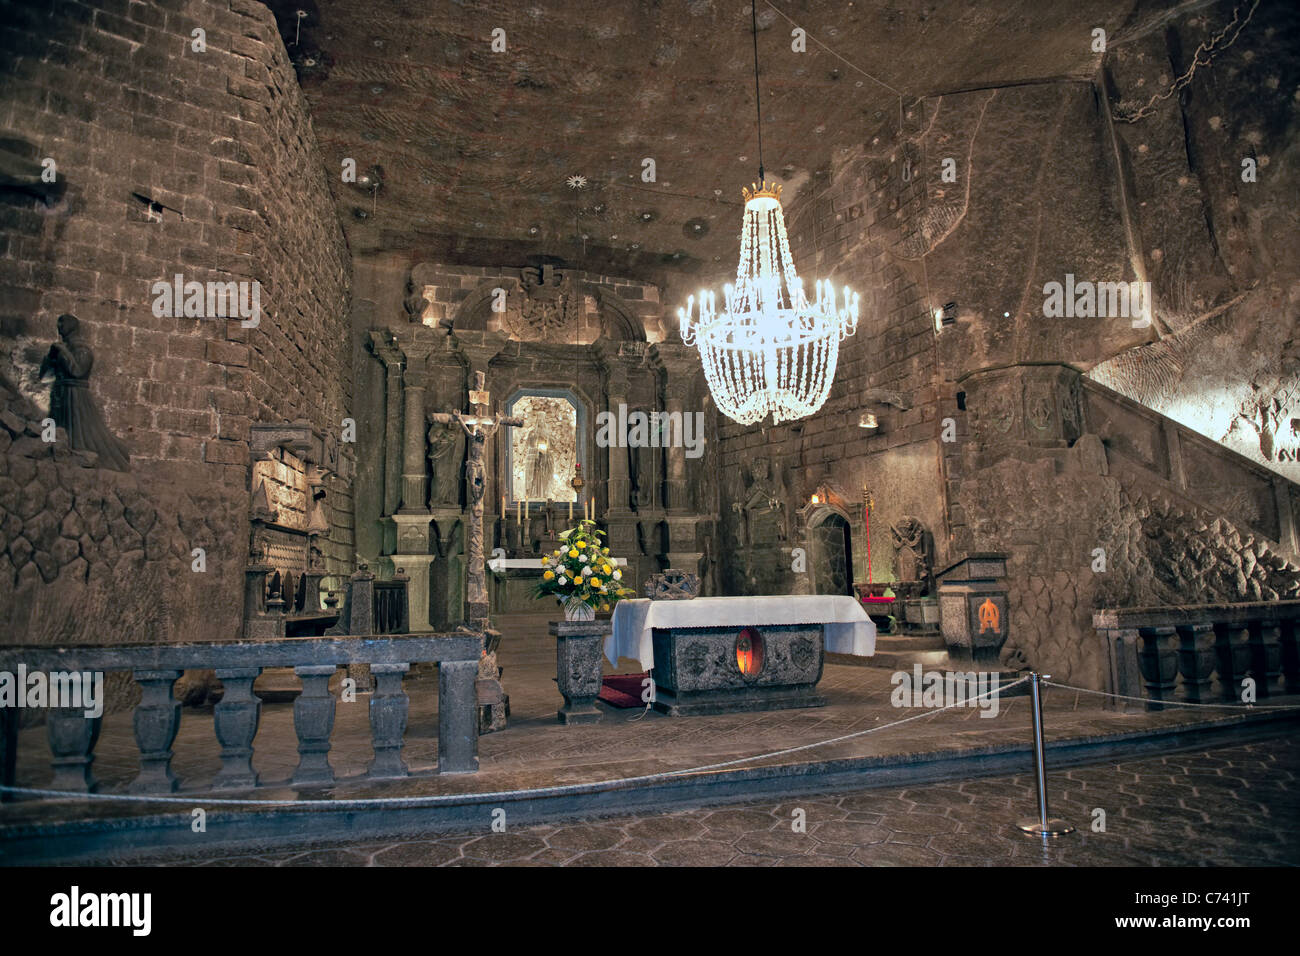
770 351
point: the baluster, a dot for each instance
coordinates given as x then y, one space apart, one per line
1233 648
457 717
235 719
388 711
72 738
1266 656
1159 663
313 719
157 718
1197 659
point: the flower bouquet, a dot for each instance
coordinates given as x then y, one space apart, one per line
581 575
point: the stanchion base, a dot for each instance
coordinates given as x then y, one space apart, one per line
1053 827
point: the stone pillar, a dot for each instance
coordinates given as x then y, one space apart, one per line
616 389
385 348
413 457
72 737
1266 656
1123 676
414 554
578 650
1234 653
457 717
681 543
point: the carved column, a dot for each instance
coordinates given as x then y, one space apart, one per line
235 718
313 719
385 348
157 718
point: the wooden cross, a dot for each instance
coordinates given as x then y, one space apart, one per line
479 425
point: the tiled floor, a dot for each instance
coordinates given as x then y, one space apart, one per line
1237 806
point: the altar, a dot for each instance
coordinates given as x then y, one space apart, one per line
716 655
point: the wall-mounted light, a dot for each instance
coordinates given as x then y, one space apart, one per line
816 499
868 423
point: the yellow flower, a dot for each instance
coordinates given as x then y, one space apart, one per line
605 569
547 575
595 582
604 607
543 560
573 553
582 544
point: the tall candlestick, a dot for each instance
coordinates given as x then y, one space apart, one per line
519 513
570 512
525 509
503 506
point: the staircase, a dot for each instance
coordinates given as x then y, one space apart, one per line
900 651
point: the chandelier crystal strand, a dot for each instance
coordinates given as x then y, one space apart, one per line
770 351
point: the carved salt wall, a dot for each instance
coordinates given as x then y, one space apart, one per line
233 189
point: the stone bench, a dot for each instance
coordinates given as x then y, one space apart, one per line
1198 653
156 667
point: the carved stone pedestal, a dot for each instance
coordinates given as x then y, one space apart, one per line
413 554
577 668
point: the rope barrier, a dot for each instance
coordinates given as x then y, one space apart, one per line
435 800
1172 703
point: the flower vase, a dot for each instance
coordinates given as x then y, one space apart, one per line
576 609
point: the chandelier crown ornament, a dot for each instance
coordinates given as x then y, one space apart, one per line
772 190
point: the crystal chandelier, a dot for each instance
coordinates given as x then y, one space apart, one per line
770 350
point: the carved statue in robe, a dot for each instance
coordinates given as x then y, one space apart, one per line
71 405
444 442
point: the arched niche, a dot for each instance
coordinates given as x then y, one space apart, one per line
554 435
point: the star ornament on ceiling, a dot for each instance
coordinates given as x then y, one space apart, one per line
577 182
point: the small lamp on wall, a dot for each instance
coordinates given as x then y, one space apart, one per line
868 423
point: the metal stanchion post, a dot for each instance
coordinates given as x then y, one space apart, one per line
1044 826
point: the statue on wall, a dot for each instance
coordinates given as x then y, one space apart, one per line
915 553
443 443
414 303
541 471
71 405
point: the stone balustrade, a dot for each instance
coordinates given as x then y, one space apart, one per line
156 667
1198 653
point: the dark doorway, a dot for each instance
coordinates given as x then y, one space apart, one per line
832 557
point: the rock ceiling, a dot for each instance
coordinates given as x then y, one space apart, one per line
472 149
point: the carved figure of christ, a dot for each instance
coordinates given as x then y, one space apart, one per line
479 425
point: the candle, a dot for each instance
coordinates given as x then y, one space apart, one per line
503 506
525 509
570 512
519 513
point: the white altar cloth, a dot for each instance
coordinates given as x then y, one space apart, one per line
847 628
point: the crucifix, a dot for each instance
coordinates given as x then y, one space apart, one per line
479 425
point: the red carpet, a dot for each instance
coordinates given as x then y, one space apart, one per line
623 690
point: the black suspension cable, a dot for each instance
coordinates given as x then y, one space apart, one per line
758 103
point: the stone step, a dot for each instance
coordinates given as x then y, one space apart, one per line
910 642
903 660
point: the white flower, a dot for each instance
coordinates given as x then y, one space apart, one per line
585 560
618 575
586 572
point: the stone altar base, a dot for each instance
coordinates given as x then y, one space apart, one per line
722 670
